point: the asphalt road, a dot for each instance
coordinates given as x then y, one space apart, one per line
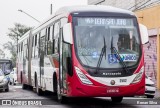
29 99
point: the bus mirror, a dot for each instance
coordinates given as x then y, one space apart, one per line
144 34
67 33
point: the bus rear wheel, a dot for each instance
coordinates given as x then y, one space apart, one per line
38 90
117 99
24 86
54 84
7 89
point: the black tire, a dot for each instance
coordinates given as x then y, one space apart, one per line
38 90
7 89
54 84
21 78
117 99
24 86
60 98
150 96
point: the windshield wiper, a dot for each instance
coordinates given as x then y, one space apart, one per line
113 49
103 52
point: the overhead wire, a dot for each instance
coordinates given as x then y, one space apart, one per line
151 4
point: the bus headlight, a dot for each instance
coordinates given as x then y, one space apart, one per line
139 75
82 77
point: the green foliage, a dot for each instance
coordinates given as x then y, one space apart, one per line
17 31
10 46
2 54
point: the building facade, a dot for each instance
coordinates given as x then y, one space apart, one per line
150 17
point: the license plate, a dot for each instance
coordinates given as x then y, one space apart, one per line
113 90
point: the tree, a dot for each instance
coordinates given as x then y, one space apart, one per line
17 31
2 54
10 47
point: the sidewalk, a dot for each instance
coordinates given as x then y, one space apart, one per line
157 94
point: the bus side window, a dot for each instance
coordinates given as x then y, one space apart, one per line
56 36
35 40
24 50
49 41
27 48
19 48
32 45
22 46
39 35
46 42
43 42
53 40
36 44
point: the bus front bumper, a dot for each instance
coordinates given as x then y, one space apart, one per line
82 90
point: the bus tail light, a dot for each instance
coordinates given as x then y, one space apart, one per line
139 75
82 77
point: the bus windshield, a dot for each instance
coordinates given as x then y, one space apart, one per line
120 33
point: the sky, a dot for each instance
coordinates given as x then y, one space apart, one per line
39 9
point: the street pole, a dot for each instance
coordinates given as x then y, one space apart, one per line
28 15
51 9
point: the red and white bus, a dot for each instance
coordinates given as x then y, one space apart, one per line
85 51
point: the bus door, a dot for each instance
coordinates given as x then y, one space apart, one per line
42 53
65 54
60 62
65 57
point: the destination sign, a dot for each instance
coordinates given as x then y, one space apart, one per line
105 21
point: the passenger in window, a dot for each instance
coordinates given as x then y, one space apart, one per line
124 40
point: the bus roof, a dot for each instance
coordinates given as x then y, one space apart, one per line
65 11
24 36
91 8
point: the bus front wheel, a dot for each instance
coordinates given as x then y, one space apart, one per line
117 99
24 86
61 99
